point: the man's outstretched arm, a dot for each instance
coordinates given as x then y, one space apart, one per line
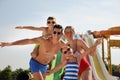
21 42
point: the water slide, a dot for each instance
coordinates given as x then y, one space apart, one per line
99 70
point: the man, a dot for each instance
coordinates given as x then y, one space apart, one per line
48 48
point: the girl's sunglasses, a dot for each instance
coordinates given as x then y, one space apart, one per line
68 49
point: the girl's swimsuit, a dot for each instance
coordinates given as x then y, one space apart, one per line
71 71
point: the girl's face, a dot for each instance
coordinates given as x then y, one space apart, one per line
67 51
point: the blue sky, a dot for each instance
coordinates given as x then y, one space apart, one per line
83 15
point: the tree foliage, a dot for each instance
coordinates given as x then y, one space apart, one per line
21 74
8 74
5 74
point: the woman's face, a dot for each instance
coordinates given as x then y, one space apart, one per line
68 32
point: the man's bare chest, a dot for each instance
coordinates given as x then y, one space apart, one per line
49 48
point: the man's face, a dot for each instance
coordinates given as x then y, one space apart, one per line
51 23
57 33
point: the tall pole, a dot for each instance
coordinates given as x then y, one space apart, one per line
103 55
109 56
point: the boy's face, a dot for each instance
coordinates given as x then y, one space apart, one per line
51 22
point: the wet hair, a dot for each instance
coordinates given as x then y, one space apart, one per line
57 26
51 18
70 27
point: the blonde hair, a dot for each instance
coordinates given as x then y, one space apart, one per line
70 27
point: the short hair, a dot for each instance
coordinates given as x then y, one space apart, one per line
51 18
58 27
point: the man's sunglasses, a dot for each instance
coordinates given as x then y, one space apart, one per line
51 22
68 49
58 33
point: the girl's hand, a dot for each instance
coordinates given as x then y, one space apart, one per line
48 72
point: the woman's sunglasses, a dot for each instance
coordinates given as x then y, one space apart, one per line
68 49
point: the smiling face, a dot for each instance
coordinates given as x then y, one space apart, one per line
57 32
51 21
69 31
67 51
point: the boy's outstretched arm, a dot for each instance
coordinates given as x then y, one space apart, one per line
30 28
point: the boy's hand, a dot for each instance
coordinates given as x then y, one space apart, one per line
3 44
19 27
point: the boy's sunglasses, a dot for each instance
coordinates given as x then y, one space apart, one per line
58 33
50 22
68 49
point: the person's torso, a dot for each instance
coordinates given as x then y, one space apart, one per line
71 71
46 51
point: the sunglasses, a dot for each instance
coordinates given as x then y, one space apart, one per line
68 49
51 22
58 33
